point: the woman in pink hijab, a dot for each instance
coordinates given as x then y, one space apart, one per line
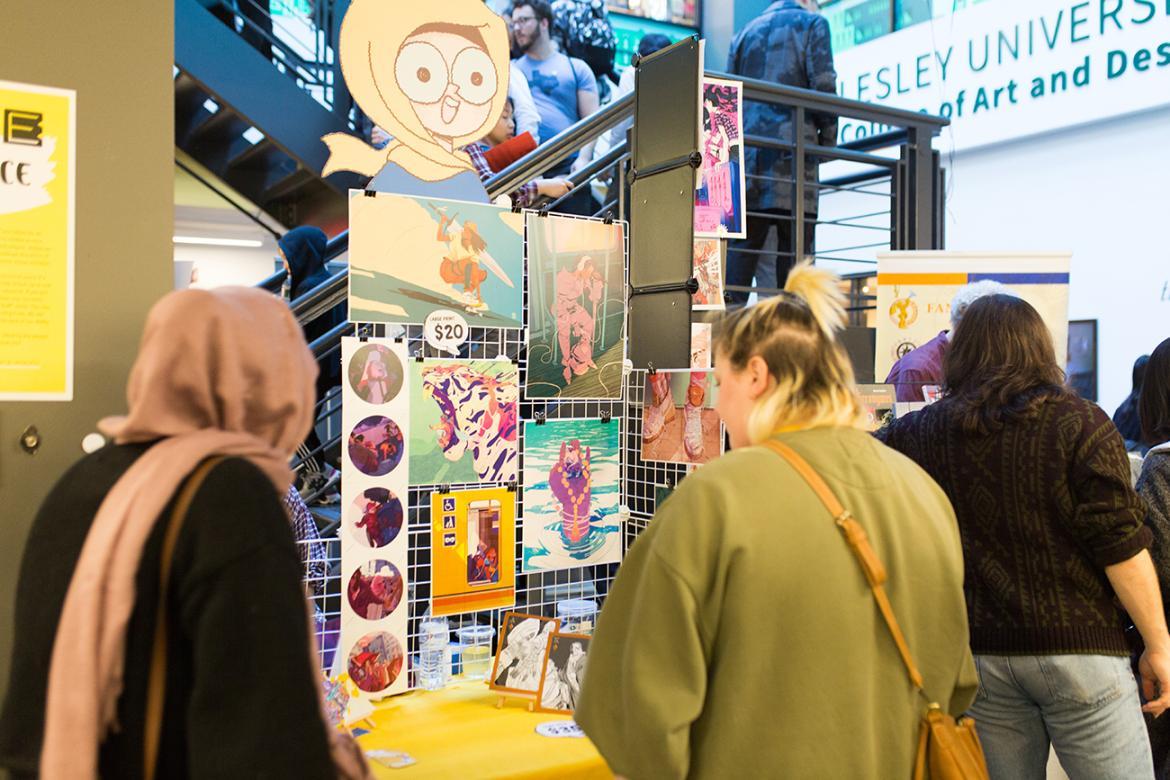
241 694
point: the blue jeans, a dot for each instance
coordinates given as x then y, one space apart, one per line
1085 706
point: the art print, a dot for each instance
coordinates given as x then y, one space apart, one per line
708 271
375 374
375 421
473 550
375 517
721 192
679 421
577 289
564 672
464 421
572 490
701 346
375 589
375 446
521 654
375 662
409 257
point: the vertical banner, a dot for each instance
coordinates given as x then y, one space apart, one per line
374 506
37 174
721 192
915 291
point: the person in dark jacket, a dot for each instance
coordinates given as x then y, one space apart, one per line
205 391
786 44
303 252
1126 418
1153 407
1053 537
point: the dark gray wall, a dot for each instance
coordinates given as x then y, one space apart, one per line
722 19
118 57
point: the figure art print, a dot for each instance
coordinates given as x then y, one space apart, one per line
464 421
708 271
721 192
473 550
413 256
572 491
434 76
521 655
577 287
679 421
564 672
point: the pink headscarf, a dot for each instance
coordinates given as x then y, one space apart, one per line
223 372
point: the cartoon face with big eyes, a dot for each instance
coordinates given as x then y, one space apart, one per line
450 81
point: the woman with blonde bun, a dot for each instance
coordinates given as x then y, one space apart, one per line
740 638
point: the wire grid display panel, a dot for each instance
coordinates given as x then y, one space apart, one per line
536 593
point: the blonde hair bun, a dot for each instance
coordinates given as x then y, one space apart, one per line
819 288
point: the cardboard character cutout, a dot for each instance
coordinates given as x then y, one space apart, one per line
434 85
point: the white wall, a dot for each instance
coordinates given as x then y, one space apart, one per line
1103 192
221 266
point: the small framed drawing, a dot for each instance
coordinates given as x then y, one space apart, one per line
521 654
563 673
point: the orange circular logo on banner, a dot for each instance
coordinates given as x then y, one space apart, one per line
904 312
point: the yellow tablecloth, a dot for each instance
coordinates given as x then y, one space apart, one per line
458 733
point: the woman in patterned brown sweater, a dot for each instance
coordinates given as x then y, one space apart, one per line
1153 485
1053 536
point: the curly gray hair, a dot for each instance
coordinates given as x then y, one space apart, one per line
969 293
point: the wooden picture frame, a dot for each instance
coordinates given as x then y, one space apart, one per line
510 622
555 643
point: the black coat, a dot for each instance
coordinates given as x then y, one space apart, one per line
240 699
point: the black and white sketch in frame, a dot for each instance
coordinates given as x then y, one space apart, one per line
564 672
522 651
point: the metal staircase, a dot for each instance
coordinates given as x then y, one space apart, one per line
254 124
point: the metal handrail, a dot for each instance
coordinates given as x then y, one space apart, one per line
828 102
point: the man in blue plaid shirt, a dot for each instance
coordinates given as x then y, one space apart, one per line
787 44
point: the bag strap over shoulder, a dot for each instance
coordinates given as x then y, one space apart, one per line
855 536
156 685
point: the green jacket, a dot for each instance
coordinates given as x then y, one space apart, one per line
740 638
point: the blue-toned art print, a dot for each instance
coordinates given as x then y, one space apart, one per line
572 491
411 256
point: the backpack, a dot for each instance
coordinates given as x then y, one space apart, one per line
583 30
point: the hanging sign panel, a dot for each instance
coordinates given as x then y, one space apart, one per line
36 242
915 291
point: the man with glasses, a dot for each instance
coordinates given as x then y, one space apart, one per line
563 88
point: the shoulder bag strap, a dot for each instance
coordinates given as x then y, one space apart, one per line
855 536
156 686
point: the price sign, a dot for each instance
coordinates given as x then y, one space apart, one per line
445 330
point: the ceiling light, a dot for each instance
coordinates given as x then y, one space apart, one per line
200 240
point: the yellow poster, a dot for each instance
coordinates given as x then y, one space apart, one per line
473 550
37 142
915 291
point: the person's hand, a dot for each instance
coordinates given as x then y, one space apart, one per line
1154 668
553 188
379 137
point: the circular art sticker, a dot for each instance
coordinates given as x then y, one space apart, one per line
375 661
375 374
375 589
375 517
375 446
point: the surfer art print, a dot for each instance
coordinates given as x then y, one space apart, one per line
412 256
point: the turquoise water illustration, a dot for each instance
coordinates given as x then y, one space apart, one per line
547 546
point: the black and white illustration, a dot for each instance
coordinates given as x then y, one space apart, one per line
564 672
522 652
